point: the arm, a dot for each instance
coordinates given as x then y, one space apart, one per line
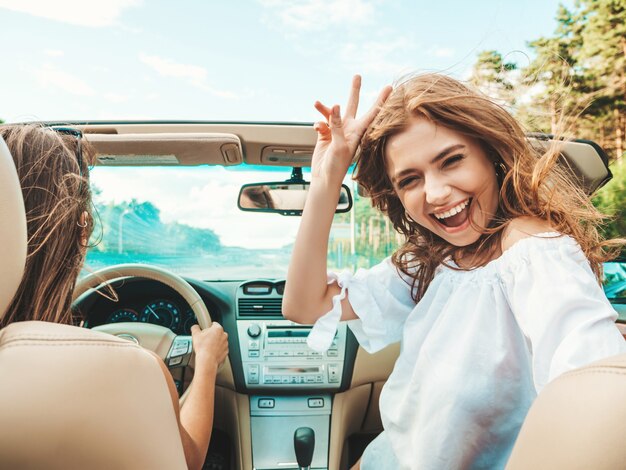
559 306
307 295
196 414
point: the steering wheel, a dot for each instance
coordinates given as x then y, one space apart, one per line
175 350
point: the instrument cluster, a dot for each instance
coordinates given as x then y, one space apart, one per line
163 312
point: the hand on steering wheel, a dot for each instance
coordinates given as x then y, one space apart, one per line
174 350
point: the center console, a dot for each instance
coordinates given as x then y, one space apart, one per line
290 386
273 422
275 355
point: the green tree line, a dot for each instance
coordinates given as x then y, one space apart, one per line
136 227
575 84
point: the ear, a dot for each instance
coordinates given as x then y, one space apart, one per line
83 223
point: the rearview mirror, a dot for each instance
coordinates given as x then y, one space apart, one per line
284 198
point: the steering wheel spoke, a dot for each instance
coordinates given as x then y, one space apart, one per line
180 352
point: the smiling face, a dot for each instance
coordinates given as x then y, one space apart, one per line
441 177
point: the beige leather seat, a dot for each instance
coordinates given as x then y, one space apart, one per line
578 421
72 398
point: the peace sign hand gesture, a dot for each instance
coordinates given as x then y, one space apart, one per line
338 138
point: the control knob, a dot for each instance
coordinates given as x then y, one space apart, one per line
254 330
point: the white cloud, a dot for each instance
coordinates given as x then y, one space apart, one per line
169 68
53 52
317 15
78 12
192 74
49 75
441 52
378 56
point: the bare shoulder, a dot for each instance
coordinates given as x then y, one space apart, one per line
523 227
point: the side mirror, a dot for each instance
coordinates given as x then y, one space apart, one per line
284 198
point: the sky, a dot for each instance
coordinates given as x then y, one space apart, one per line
239 60
253 60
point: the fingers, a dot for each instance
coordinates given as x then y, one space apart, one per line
373 111
215 330
353 100
322 129
336 125
216 326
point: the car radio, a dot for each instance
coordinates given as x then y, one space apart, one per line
275 355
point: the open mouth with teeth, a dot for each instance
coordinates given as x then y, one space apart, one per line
455 217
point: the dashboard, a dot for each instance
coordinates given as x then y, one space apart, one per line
267 352
141 301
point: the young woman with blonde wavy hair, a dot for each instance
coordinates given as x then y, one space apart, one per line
495 291
53 169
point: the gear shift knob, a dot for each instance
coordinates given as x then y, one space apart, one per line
304 444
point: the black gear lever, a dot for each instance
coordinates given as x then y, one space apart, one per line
304 444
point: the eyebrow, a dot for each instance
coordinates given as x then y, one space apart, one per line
439 156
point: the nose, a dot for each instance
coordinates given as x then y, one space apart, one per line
437 191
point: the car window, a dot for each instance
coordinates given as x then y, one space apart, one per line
186 219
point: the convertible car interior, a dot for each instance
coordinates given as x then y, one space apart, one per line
173 250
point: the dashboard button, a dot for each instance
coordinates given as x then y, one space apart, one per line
254 330
175 361
266 403
316 402
333 373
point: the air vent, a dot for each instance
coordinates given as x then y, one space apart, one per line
250 307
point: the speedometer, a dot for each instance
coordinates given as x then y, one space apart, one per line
163 313
190 320
122 315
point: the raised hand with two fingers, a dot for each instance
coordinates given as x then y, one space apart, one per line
338 137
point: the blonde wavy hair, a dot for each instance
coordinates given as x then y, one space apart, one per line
531 182
56 194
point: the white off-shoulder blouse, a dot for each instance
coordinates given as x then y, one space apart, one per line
475 350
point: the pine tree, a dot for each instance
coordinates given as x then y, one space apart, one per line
604 54
554 80
495 77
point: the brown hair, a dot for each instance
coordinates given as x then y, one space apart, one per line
531 184
56 193
259 196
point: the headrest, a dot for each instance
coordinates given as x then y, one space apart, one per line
586 159
13 236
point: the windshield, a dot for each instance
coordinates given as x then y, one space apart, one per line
186 219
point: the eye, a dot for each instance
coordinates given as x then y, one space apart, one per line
408 181
453 159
